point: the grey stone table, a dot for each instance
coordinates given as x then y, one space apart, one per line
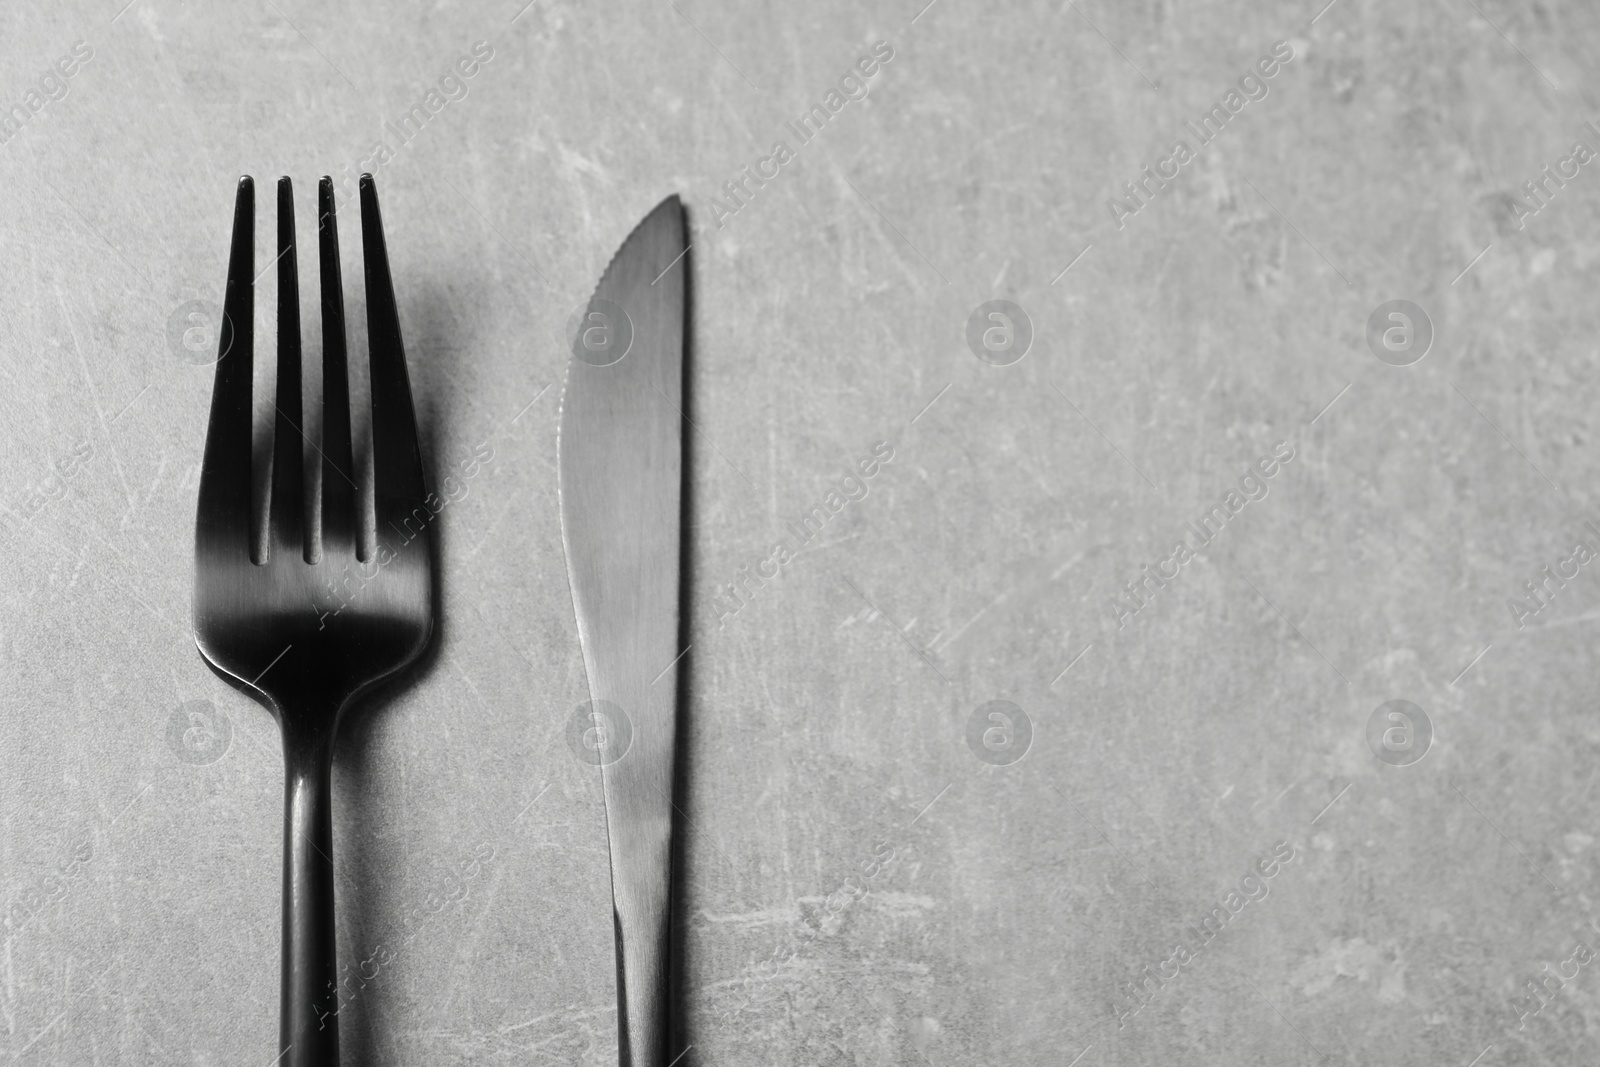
1199 504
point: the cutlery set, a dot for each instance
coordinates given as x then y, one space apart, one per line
620 452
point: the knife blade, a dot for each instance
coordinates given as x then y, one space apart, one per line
619 456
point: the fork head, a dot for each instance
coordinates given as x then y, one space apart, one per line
309 631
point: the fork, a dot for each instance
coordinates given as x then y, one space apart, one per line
256 621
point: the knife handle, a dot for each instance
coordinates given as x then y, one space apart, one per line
642 984
640 881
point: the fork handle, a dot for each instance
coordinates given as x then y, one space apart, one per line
308 1034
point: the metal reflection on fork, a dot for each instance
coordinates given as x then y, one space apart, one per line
256 622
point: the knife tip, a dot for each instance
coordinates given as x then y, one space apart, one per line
672 206
664 228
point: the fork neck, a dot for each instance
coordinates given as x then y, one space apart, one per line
308 1013
308 733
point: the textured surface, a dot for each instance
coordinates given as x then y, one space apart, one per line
859 887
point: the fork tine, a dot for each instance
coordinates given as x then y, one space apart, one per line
396 457
223 514
338 465
288 492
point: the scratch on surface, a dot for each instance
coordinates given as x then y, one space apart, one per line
1003 597
874 225
466 943
899 904
488 534
470 684
1576 620
1067 566
94 398
566 1013
761 917
161 467
863 614
772 471
1281 795
953 638
11 990
774 708
48 1027
582 164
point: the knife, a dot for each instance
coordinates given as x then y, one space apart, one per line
619 454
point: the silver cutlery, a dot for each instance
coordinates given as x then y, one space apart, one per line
255 621
620 449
